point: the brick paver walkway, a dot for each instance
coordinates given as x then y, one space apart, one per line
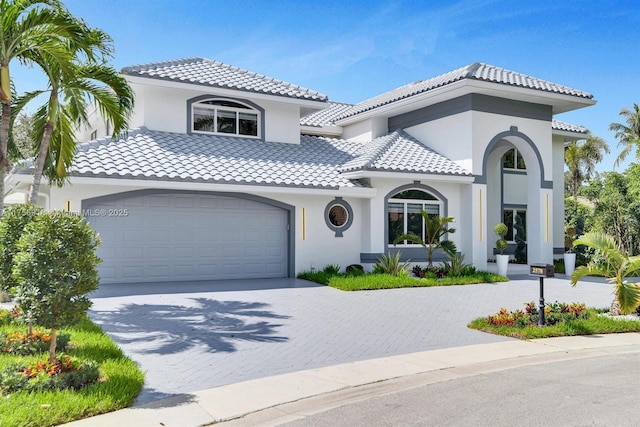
192 336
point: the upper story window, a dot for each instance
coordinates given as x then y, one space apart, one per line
226 117
512 159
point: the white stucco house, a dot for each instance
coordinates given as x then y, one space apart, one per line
231 174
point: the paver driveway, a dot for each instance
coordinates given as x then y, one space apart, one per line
192 336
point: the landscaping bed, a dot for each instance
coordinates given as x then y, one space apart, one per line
92 375
561 319
357 280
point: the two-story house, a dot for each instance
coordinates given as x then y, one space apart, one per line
227 173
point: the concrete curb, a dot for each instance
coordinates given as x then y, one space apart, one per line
237 400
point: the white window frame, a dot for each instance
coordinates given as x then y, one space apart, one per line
214 108
405 218
515 161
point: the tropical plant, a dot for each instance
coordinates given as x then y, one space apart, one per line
55 269
32 31
612 263
69 95
390 264
436 228
331 269
456 266
628 134
570 237
501 231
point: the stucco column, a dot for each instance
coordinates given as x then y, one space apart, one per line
540 226
475 220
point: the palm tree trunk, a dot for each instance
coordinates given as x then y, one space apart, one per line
40 160
4 138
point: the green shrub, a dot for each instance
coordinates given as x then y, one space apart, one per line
455 266
12 225
501 244
355 269
331 269
55 269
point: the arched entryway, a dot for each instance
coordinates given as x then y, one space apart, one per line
522 189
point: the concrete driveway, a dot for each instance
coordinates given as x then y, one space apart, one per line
193 336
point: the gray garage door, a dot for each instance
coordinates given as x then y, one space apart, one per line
188 236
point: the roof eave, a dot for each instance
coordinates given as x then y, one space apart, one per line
214 90
363 173
321 130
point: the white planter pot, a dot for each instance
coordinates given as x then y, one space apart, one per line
502 262
569 263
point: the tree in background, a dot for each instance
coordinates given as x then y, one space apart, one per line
22 138
581 159
628 134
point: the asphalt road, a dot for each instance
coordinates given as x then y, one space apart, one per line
599 391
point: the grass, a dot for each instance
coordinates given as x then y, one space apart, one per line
121 381
361 282
593 324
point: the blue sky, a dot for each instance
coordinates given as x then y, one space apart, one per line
352 50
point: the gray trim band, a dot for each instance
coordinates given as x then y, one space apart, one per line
290 209
471 102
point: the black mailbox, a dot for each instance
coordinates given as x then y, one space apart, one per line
542 270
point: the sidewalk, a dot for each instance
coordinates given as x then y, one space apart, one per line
236 400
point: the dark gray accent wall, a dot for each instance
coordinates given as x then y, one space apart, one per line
407 254
290 209
244 101
475 102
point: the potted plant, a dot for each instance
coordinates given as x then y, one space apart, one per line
569 255
502 260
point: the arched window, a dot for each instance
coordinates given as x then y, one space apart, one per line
403 213
512 159
226 117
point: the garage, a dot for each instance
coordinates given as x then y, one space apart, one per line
154 236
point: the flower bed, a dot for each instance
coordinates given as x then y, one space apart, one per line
37 342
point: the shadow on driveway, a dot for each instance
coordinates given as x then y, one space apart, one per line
168 329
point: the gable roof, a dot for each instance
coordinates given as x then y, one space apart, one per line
400 152
317 162
476 71
206 72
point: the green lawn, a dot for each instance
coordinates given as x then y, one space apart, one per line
593 324
120 382
347 282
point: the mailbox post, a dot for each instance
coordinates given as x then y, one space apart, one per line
541 271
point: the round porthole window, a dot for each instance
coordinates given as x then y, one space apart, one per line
338 215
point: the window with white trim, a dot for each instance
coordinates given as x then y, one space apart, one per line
403 213
513 160
224 117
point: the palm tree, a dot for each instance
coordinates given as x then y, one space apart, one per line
435 229
615 265
31 29
628 134
69 95
581 160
